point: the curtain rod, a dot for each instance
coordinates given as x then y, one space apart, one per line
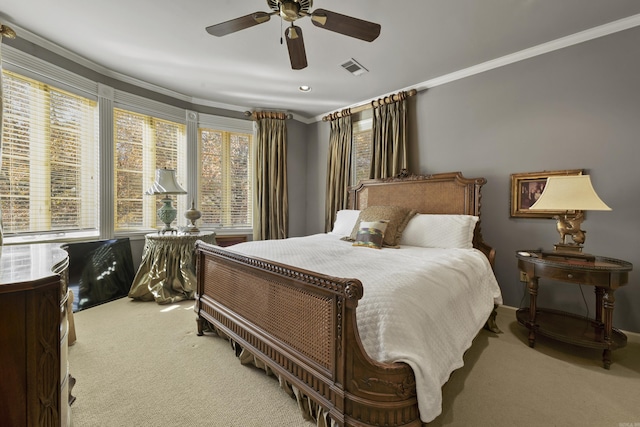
258 115
389 99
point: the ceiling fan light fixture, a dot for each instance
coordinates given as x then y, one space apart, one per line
289 10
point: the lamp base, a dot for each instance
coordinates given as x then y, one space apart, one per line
567 247
562 250
167 213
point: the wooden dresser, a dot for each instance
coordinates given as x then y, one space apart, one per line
34 374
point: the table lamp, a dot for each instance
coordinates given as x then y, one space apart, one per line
571 194
166 184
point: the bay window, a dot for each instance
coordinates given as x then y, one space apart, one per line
77 157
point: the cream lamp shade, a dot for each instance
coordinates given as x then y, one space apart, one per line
573 193
569 193
166 184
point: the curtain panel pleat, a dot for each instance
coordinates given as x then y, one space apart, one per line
390 124
338 168
272 205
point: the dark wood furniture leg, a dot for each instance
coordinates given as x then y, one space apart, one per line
609 303
532 285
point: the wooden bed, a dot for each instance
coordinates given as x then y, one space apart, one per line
302 325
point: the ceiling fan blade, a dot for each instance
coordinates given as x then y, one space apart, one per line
233 25
347 25
295 44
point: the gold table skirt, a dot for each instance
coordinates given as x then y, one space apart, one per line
167 273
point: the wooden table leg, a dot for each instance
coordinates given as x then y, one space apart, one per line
532 285
599 323
609 303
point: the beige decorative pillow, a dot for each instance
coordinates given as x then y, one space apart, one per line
371 234
397 216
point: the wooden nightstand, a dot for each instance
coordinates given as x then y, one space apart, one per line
228 240
606 274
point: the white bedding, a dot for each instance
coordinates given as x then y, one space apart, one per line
421 306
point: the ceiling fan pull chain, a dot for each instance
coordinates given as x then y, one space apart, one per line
281 32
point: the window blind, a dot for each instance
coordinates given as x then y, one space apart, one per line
362 149
225 179
143 144
48 178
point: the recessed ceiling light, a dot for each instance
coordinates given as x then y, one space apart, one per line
304 88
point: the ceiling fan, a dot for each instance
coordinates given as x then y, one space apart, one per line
292 10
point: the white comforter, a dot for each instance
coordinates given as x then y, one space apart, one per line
420 306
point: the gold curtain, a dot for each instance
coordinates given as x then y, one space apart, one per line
272 205
9 33
390 123
339 167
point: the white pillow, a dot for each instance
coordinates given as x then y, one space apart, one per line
440 231
345 221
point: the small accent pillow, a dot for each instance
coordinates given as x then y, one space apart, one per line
440 231
397 216
345 221
371 234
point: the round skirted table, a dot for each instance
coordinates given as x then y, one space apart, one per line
167 272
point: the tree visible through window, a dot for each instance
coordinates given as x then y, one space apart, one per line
142 145
361 155
361 150
48 180
225 187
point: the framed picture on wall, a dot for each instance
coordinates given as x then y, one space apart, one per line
526 188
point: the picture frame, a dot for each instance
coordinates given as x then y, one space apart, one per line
527 187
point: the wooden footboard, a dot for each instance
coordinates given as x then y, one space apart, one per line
303 326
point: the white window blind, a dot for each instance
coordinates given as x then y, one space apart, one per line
225 179
48 179
142 144
361 150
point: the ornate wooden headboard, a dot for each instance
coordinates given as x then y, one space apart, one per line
445 193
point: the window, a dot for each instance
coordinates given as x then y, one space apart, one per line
361 150
64 176
143 144
225 179
48 179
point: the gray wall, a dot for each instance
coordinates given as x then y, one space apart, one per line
576 108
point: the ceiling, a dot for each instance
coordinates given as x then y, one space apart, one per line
164 43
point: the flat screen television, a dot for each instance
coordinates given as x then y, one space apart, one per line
99 271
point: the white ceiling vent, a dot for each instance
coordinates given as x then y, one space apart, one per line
354 68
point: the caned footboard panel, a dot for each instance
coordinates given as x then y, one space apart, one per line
303 326
301 320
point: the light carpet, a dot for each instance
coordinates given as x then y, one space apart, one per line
142 364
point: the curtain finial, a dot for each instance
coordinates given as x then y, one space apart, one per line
7 32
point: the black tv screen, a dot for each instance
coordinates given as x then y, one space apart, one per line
99 271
